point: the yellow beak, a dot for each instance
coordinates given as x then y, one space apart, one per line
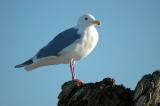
97 22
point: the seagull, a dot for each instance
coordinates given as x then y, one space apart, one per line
68 46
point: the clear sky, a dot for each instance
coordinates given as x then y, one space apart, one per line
129 45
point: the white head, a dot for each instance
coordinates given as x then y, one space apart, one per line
88 20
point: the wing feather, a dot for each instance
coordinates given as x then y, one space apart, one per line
60 42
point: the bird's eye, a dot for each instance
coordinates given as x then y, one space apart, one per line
86 18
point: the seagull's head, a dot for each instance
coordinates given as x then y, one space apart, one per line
88 20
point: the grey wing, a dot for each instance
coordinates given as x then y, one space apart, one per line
60 42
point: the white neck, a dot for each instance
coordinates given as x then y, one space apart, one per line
81 28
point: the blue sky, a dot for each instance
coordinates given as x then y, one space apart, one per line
129 45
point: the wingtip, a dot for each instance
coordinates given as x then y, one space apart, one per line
18 66
24 63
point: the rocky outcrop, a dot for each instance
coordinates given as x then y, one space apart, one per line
107 93
147 92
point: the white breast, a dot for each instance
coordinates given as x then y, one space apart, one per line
89 41
82 47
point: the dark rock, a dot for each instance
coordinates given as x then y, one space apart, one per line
103 93
107 93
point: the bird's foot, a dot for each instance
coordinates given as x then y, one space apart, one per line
78 82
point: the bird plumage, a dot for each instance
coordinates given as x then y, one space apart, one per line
72 44
28 62
60 42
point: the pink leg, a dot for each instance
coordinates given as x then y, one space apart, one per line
72 67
